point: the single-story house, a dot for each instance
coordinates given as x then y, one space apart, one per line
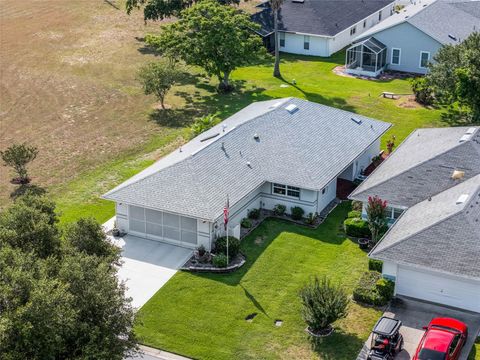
320 27
407 41
287 151
432 187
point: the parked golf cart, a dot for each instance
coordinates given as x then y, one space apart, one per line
387 341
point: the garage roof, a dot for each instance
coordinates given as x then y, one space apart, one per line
306 146
423 165
441 233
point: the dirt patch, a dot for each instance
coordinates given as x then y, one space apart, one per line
68 86
408 102
259 240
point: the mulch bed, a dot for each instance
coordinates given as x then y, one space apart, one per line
386 75
320 333
194 265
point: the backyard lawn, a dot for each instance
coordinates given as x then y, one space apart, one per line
203 316
315 81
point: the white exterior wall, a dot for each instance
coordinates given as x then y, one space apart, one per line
294 45
389 270
343 39
325 198
362 162
327 45
121 211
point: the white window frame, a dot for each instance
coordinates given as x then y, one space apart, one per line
428 60
380 15
286 188
353 30
281 36
399 56
305 42
364 24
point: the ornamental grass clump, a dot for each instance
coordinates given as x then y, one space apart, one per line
323 303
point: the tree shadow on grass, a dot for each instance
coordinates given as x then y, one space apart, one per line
338 346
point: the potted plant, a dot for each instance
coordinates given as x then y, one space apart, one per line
363 243
116 231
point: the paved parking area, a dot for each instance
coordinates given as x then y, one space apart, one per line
415 314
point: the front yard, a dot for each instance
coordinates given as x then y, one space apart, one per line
203 316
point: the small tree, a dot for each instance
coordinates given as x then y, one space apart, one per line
377 220
18 156
158 78
215 37
203 124
323 303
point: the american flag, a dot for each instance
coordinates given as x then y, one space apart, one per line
226 210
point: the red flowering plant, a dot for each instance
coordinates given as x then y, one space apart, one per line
377 220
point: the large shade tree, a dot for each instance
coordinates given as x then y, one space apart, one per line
59 298
454 76
215 37
161 9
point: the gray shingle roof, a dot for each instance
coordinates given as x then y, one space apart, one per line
306 148
319 17
422 166
441 233
436 18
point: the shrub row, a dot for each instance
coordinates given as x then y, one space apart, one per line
373 289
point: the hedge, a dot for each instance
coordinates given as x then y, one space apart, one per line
375 265
233 246
373 289
357 227
354 214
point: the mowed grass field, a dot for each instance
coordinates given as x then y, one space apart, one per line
68 85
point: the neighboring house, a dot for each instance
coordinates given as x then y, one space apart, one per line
320 27
432 187
408 40
286 151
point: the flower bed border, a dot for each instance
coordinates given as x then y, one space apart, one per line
215 270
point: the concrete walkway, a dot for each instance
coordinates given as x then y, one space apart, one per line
415 314
147 265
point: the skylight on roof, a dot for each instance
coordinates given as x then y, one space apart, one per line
470 131
356 121
291 108
462 198
465 137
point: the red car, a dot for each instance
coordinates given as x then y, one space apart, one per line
443 340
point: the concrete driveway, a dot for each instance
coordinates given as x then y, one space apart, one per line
416 314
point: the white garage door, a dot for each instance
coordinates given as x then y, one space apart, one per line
162 226
438 288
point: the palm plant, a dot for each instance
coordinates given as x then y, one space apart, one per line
276 5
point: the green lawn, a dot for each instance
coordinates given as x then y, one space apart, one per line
203 316
315 81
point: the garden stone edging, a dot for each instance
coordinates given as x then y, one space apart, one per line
215 270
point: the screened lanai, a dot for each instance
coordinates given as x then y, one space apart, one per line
367 57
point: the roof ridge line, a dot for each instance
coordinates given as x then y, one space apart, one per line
113 191
426 228
420 163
